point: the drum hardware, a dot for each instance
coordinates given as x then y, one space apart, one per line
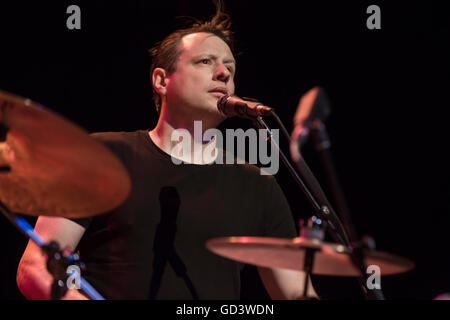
302 253
330 259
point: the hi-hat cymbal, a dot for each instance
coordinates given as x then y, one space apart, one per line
329 259
52 167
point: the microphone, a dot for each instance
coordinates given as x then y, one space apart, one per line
231 105
313 105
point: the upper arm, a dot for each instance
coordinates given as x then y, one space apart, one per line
64 231
285 284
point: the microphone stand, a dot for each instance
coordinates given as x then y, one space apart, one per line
57 262
323 208
323 211
322 145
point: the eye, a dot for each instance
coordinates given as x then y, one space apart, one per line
204 61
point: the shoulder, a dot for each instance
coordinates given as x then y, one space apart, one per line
121 143
115 137
119 138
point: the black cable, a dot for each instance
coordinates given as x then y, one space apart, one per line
280 123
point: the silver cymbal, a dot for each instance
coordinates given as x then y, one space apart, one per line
329 259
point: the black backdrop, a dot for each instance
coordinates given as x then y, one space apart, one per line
387 88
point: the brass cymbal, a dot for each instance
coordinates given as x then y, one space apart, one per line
329 259
52 167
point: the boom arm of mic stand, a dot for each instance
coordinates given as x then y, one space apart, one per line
324 211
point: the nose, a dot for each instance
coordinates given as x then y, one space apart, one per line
222 73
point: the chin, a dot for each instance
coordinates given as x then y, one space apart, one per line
212 114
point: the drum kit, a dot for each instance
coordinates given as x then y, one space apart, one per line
49 166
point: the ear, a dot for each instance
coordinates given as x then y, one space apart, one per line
160 80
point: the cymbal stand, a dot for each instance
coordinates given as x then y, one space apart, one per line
308 268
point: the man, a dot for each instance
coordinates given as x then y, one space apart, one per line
153 245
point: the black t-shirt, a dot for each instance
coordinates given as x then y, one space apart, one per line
205 201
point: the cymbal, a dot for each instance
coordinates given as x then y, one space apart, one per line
329 259
52 167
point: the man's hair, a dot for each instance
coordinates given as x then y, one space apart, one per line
166 52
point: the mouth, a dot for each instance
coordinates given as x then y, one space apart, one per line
219 92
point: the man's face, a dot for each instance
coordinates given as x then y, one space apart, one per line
204 72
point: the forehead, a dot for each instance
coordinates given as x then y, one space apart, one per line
204 43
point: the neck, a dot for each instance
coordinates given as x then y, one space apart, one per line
166 135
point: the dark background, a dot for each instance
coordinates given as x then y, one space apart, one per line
388 90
